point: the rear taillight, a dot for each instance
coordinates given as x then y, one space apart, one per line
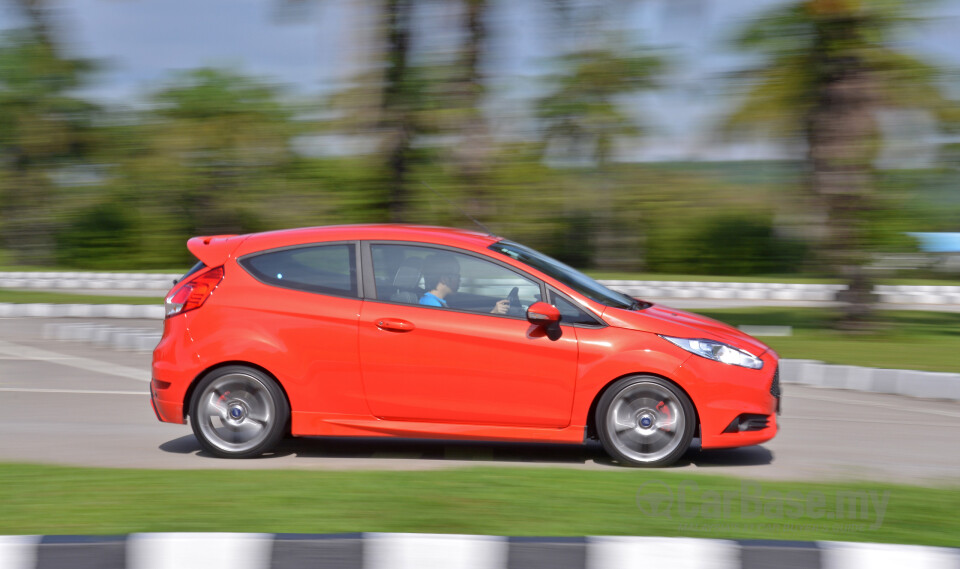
193 293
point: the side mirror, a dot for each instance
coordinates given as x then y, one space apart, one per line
543 314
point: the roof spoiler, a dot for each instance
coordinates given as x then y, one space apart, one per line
214 250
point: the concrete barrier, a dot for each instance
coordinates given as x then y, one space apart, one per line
923 384
43 310
450 551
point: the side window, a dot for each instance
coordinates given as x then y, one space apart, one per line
441 278
570 312
326 269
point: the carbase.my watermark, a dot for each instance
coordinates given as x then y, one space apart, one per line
751 503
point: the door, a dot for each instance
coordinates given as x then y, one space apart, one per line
434 347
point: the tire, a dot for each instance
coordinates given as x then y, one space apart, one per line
238 412
644 420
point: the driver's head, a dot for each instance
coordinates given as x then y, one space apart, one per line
441 268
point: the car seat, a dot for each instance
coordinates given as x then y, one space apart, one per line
406 282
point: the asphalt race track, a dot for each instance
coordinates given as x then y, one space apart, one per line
74 404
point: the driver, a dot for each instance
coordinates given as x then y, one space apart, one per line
441 277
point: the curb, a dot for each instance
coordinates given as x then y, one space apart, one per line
923 384
728 290
449 551
87 280
40 310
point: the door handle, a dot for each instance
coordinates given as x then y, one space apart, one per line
395 324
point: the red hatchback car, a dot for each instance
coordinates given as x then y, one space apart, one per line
406 331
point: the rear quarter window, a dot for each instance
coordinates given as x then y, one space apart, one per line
192 271
325 269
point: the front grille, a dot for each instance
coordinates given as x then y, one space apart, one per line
775 386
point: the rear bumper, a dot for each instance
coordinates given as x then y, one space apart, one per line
167 410
173 371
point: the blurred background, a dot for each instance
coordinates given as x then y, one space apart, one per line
734 137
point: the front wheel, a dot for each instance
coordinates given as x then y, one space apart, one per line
645 420
238 412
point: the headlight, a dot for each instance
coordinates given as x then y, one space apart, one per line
717 351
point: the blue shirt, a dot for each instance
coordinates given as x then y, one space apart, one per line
430 299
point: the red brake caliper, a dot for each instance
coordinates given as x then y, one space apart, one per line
663 408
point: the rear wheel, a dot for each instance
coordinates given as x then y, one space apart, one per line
238 412
644 420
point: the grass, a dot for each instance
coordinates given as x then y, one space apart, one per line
496 501
904 340
31 296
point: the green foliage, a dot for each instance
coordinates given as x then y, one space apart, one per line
44 129
583 105
802 44
206 158
100 237
726 244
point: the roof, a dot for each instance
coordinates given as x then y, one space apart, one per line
372 232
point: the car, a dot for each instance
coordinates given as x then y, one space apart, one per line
365 331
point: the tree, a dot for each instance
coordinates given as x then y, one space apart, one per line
209 157
829 67
395 118
43 131
584 110
472 154
584 114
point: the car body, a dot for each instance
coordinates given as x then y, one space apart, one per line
322 332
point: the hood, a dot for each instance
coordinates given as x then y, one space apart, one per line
658 319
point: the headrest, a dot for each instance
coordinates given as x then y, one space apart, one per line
408 274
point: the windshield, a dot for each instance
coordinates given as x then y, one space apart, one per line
567 275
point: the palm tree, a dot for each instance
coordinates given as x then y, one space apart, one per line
829 67
584 108
584 115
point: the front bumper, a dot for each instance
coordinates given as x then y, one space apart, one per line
736 406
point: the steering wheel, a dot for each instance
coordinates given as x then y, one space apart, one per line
516 309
